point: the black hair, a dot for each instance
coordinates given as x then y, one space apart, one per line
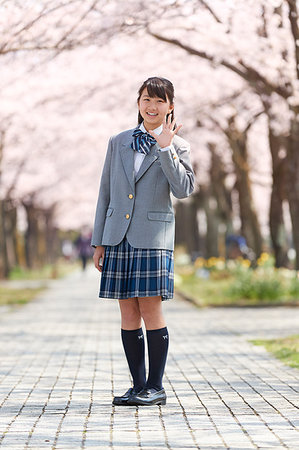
157 87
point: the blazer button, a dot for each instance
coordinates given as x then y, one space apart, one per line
127 216
130 196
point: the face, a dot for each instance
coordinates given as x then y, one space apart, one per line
153 110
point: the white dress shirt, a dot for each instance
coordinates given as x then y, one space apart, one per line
139 157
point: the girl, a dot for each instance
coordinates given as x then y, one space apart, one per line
134 232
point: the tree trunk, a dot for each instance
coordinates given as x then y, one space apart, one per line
179 224
10 222
293 182
30 235
193 239
278 195
186 233
209 204
4 267
250 227
35 236
51 236
220 191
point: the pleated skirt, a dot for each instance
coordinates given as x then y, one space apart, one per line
136 272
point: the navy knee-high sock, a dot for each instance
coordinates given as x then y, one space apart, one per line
133 342
157 342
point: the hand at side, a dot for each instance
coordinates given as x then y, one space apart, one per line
98 254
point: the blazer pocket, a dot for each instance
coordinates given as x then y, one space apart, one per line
162 216
109 212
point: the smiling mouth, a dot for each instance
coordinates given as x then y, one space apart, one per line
152 114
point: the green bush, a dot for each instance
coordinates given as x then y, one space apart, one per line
252 285
216 281
294 288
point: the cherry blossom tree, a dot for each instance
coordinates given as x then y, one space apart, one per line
259 42
71 71
60 124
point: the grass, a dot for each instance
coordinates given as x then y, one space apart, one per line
244 288
286 349
22 295
48 271
9 296
203 292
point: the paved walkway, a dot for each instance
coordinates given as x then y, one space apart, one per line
61 362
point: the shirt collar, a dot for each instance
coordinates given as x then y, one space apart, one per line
156 130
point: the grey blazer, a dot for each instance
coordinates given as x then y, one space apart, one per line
140 207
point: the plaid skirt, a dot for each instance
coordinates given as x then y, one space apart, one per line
136 272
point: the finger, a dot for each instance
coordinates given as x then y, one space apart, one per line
173 120
177 129
152 133
172 123
97 264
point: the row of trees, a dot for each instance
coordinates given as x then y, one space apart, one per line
240 66
270 70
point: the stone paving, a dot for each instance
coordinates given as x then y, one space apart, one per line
62 362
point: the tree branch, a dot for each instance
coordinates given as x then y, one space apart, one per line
76 24
293 18
61 44
4 49
17 174
254 78
253 119
205 5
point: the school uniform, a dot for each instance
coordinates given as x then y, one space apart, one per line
134 217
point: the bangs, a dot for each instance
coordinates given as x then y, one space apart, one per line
156 89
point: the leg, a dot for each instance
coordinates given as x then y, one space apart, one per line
133 341
130 314
151 311
157 339
84 260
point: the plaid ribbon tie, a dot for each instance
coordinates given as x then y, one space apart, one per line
142 142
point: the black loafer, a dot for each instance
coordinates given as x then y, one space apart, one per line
148 397
123 399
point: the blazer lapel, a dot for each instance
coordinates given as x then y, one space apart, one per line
127 156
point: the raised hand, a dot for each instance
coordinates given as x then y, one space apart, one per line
165 138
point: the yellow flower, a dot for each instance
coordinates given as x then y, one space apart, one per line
246 263
199 262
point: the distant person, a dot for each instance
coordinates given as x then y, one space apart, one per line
134 232
236 246
82 244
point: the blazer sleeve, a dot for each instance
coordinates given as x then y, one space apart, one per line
177 168
103 200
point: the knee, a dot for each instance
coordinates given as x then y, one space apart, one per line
130 315
150 310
